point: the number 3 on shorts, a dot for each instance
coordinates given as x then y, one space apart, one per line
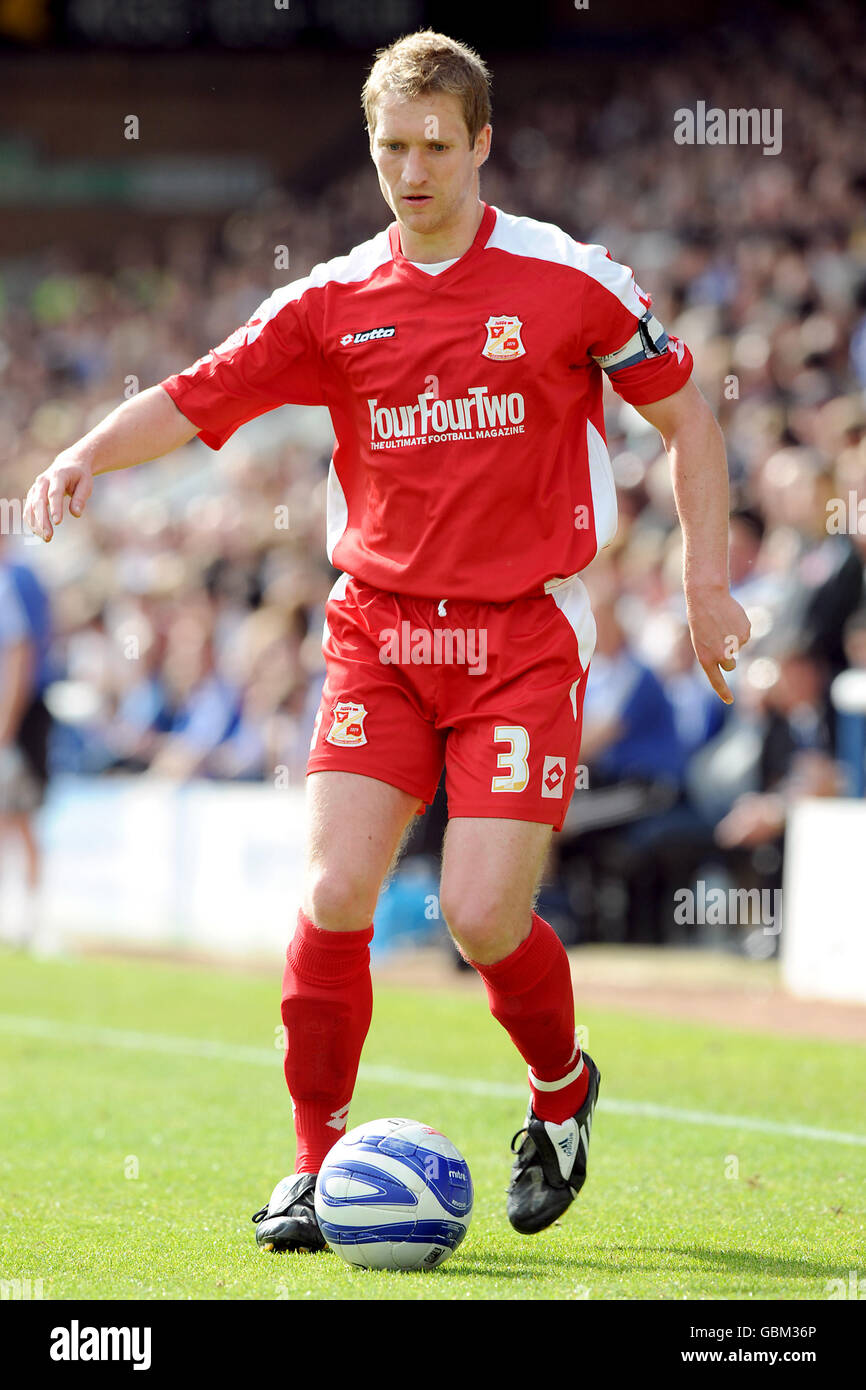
516 760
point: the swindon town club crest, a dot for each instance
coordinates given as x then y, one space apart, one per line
503 338
347 725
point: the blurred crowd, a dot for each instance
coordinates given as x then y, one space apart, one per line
188 603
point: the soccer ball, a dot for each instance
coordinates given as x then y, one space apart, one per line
394 1194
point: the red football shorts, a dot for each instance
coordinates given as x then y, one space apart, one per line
492 691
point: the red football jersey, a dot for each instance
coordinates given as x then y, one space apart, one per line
470 457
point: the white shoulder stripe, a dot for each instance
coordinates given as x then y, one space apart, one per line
358 265
523 236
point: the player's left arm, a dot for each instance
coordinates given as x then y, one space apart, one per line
693 440
651 369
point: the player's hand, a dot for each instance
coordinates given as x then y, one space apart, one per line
719 629
65 477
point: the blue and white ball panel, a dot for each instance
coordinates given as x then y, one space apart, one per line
394 1194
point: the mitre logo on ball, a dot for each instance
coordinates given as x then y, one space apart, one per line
503 338
347 725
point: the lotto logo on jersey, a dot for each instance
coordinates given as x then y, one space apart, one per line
368 335
347 725
553 776
503 339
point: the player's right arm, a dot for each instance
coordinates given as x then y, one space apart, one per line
271 360
144 427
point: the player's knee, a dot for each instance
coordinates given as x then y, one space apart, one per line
481 928
339 900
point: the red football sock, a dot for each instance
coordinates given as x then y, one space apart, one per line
531 996
327 1005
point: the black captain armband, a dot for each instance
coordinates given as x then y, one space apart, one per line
649 341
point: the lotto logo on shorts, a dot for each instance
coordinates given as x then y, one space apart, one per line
347 725
553 776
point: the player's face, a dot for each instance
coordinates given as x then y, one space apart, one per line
426 166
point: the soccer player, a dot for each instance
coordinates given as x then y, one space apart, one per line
460 353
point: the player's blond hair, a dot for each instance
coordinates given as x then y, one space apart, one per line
429 62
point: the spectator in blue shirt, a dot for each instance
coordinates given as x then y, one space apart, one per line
629 729
25 633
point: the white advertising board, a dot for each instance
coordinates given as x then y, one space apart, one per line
823 941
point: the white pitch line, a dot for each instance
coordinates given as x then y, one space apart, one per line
53 1030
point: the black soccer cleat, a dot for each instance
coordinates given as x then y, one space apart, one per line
550 1167
289 1222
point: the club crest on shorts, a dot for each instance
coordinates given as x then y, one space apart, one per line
347 725
553 776
503 338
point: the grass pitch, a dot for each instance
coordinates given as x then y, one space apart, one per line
144 1118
